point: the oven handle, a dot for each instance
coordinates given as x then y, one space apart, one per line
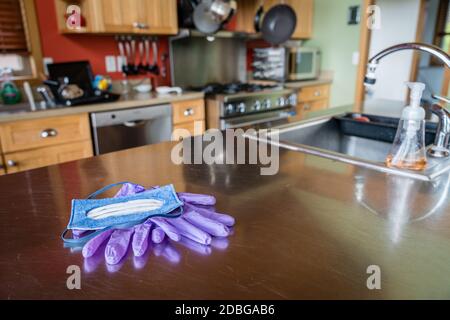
280 116
134 124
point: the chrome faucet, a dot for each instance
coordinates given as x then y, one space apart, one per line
441 145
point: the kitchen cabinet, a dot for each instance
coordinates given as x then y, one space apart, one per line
125 16
304 9
312 98
31 159
190 116
35 143
2 167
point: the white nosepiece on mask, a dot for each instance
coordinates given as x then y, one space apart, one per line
124 208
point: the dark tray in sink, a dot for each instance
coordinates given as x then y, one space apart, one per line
379 128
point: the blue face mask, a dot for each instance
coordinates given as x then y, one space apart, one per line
120 212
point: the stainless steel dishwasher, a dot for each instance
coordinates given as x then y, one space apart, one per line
129 128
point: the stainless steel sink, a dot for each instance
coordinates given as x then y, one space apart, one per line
329 138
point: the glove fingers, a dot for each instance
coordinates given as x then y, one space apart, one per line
189 231
129 189
158 235
118 245
140 239
219 217
168 229
212 227
201 199
92 245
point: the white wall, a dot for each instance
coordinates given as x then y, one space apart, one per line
398 24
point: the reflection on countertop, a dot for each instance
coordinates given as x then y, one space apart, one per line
22 111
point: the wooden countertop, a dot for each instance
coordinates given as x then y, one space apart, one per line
308 232
307 83
133 100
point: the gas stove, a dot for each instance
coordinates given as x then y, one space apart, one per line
238 105
234 88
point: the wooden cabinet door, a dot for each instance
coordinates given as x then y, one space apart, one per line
245 15
2 167
161 16
138 16
305 12
26 160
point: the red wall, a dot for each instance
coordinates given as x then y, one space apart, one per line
94 48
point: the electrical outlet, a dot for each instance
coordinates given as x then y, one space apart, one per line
110 62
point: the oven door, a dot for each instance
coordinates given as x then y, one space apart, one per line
262 120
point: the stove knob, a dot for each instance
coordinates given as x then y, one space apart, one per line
241 107
292 100
257 105
229 109
267 104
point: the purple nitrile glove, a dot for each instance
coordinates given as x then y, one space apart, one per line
198 223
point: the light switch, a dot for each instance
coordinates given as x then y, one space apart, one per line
355 58
110 62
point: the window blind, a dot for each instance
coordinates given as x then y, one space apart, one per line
12 31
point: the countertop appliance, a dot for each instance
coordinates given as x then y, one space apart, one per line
129 128
248 105
286 63
77 74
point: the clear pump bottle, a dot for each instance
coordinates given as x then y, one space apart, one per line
408 150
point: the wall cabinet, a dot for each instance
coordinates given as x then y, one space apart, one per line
124 16
30 144
303 8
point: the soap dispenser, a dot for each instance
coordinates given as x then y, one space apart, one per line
408 150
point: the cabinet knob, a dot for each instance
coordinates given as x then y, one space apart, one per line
307 107
49 133
140 25
317 94
11 163
188 112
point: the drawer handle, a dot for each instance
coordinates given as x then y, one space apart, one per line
49 133
317 94
11 163
140 25
188 112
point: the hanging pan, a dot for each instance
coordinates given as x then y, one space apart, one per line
276 25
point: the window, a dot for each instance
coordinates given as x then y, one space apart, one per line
19 39
442 33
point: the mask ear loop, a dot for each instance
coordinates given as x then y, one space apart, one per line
82 241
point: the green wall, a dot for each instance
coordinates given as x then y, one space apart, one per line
337 41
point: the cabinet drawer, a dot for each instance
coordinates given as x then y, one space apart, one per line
190 129
314 93
305 107
31 134
188 111
26 160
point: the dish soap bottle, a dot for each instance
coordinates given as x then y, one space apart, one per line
408 150
8 90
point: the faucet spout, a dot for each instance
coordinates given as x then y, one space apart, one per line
374 61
